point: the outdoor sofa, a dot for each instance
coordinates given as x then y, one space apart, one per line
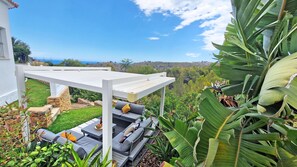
134 114
83 145
131 142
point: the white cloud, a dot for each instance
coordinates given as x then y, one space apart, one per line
193 55
153 38
214 15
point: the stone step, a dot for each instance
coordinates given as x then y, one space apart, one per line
54 113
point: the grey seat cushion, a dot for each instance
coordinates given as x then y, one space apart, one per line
131 116
83 146
77 148
137 109
47 136
88 144
120 147
117 112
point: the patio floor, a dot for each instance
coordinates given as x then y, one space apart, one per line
121 125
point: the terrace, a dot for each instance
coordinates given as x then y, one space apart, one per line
128 86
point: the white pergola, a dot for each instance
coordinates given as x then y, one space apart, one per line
102 80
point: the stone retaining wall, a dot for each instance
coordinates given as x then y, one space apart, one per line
40 116
62 101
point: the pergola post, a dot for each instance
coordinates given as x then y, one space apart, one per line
20 77
162 104
107 117
53 88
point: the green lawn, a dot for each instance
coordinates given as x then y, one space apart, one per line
38 93
72 118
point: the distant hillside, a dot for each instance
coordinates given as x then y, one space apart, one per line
160 66
166 65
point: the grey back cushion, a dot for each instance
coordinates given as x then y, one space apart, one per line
80 151
146 123
47 135
134 136
120 105
126 145
137 109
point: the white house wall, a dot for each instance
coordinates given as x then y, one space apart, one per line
8 87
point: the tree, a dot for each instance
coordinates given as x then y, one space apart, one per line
49 63
125 64
21 50
142 69
71 63
110 64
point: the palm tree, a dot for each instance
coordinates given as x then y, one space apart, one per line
125 64
21 50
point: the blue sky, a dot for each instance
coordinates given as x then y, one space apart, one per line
111 30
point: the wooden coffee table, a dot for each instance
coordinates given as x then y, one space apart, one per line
92 132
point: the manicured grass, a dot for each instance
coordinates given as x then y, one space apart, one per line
37 93
73 118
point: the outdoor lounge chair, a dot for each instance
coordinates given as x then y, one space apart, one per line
131 142
135 113
83 146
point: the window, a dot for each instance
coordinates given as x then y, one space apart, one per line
3 44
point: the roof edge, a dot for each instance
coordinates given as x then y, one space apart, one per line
11 4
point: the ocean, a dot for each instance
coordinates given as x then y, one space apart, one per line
57 61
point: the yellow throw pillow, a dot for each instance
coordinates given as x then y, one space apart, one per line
126 108
68 136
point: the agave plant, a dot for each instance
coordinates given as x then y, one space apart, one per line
91 160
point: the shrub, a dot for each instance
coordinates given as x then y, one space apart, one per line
162 148
85 94
49 155
13 145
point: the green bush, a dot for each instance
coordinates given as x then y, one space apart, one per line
49 155
71 63
142 69
85 94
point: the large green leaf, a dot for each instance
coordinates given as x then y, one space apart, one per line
182 138
246 150
286 158
280 75
227 139
243 52
219 124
